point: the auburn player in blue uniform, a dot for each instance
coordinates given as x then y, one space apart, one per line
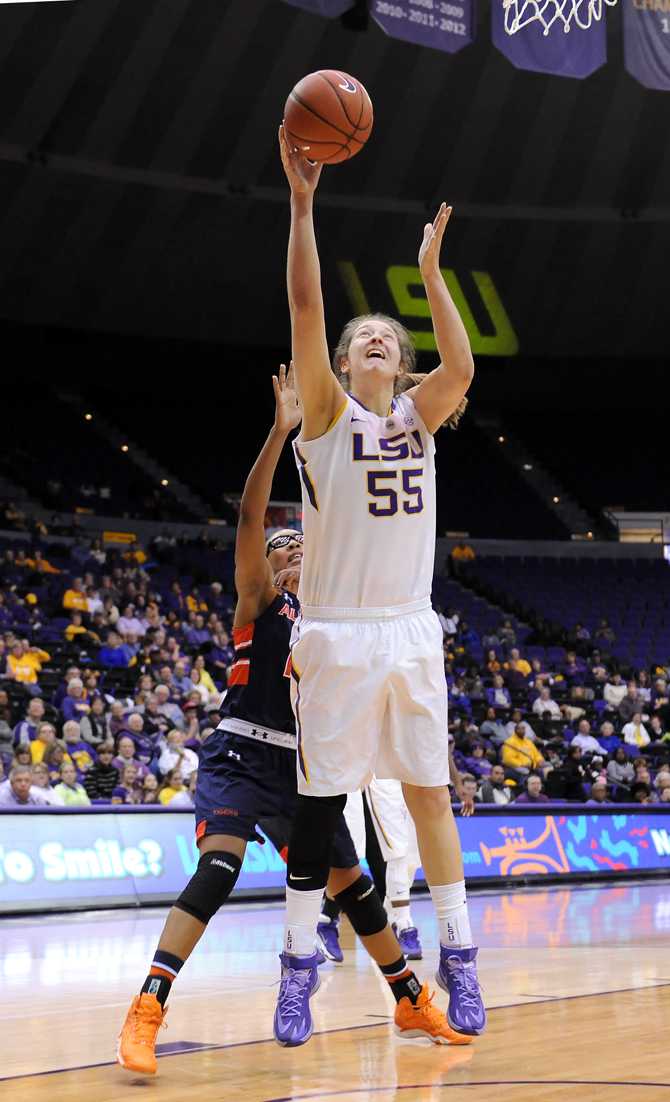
247 775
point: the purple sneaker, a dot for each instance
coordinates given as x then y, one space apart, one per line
410 944
328 939
457 974
299 980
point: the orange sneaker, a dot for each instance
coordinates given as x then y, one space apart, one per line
136 1050
424 1019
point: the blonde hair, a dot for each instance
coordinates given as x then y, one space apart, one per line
407 378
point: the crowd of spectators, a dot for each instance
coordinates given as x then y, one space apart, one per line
112 667
579 728
111 676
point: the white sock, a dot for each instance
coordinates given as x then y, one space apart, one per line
452 914
401 915
302 915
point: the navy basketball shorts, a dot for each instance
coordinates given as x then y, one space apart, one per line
243 783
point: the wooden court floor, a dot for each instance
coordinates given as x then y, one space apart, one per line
577 983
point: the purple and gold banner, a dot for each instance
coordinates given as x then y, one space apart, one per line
646 42
330 8
447 25
577 54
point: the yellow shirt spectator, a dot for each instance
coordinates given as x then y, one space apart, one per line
75 598
74 629
196 604
42 565
25 666
168 793
518 752
206 680
519 664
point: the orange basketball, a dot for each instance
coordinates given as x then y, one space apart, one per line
328 116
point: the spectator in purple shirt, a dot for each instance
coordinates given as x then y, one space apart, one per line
533 793
126 756
198 633
175 600
75 704
146 747
222 654
26 730
129 624
115 653
180 681
82 753
498 697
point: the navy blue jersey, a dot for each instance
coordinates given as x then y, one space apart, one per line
259 682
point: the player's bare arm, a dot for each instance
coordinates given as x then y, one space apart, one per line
253 577
321 395
467 803
444 388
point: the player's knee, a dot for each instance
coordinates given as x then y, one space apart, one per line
427 803
363 907
309 849
210 886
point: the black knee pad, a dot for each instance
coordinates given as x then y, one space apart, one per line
210 886
314 827
363 907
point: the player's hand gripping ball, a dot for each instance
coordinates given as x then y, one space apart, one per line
328 117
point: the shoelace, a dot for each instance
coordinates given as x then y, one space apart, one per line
465 976
433 1014
291 992
144 1028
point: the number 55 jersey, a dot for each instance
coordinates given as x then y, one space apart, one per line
368 492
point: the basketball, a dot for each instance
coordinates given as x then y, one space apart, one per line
328 116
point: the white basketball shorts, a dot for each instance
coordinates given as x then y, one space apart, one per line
370 698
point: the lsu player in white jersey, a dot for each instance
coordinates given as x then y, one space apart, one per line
369 690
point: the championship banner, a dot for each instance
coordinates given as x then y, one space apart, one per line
95 858
646 42
330 8
563 55
446 25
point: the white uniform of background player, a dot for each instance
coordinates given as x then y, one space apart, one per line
396 834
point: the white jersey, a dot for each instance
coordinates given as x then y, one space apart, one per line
368 493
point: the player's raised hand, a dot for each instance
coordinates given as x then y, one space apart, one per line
288 413
433 232
302 175
288 578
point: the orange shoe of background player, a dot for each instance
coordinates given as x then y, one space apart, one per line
137 1041
424 1019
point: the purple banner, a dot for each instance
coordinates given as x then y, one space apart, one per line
576 54
646 42
330 8
440 24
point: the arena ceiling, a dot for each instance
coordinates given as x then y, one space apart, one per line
141 192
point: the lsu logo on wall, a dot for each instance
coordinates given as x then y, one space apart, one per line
493 336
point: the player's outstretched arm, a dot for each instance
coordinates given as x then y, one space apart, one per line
443 389
253 577
320 393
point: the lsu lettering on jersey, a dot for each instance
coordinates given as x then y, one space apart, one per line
368 492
